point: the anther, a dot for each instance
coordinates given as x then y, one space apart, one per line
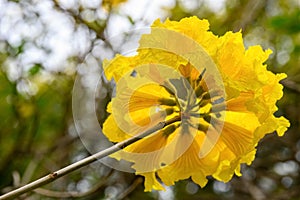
169 129
169 111
168 102
201 75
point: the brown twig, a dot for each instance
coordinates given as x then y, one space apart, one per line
135 183
291 85
74 194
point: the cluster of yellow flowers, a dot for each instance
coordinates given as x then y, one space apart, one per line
219 95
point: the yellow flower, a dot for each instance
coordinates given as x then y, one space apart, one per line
220 96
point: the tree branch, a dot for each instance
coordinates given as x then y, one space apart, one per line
132 187
74 194
292 85
70 168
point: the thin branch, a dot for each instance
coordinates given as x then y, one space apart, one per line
250 12
292 85
255 192
136 183
70 168
28 172
99 31
74 194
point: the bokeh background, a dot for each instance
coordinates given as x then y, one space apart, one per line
47 46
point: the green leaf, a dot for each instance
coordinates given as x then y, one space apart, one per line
35 69
287 23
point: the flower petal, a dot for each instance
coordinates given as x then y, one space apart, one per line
151 182
112 131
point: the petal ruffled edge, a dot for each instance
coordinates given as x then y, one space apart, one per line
112 131
151 182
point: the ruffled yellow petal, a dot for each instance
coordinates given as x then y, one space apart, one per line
200 179
118 67
248 158
239 103
272 124
272 91
145 153
282 125
230 55
139 104
112 131
147 96
264 102
193 28
190 164
151 182
225 170
238 139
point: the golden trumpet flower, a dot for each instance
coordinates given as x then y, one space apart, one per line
220 96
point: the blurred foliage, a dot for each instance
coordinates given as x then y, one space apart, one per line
38 134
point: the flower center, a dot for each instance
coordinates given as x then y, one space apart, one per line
192 100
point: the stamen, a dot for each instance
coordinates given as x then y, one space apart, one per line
218 107
218 115
206 95
167 86
169 111
198 87
207 118
168 102
202 127
219 100
196 105
199 126
169 129
195 114
185 115
199 90
204 102
211 94
201 76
